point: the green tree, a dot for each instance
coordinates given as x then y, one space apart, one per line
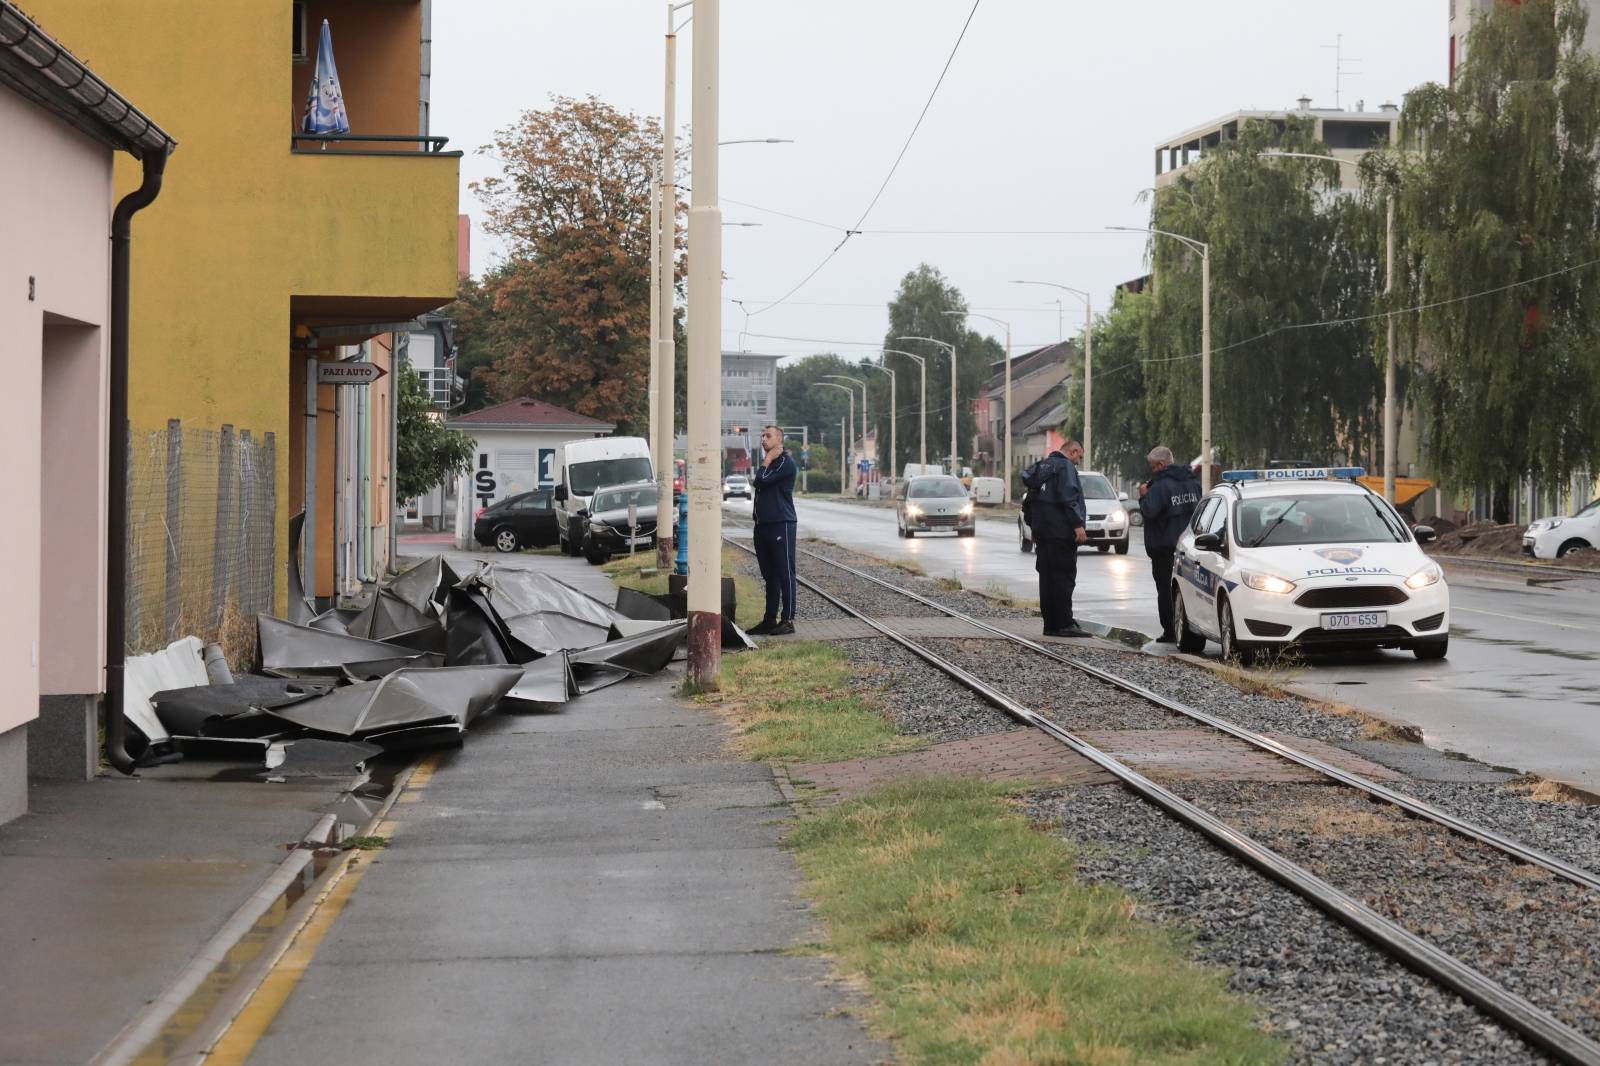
801 403
566 317
426 452
1122 432
1286 249
918 309
1498 185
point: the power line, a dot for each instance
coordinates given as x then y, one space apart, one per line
896 166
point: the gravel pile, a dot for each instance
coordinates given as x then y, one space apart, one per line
1532 932
1567 831
1204 691
921 700
1056 691
1322 988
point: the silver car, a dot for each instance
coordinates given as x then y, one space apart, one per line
934 502
1108 512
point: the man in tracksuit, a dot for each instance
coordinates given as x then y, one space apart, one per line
1167 502
1054 510
775 532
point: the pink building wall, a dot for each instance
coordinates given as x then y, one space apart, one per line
55 210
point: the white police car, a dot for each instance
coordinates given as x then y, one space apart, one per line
1307 557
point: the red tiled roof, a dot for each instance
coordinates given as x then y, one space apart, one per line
530 413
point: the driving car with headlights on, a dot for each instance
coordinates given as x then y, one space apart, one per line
620 518
1106 517
736 485
1552 538
936 502
1309 558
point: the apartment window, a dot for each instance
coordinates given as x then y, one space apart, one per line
300 35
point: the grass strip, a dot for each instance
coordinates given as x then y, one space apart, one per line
979 945
793 702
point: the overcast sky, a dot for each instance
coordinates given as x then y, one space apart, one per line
1047 121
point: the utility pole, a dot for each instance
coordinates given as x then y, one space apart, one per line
664 418
844 445
705 360
951 349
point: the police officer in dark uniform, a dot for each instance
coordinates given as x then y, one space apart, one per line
776 526
1167 502
1054 510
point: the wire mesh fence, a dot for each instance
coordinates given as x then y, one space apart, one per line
202 525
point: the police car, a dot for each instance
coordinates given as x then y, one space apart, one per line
1306 557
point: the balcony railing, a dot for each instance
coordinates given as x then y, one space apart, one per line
343 144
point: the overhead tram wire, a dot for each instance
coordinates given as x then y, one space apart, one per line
853 230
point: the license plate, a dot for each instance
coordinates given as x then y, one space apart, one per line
1356 620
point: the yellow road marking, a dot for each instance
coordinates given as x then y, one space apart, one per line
264 1005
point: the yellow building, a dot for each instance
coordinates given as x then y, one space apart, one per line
264 253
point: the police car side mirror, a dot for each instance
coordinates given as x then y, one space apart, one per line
1123 496
1424 534
561 494
1208 542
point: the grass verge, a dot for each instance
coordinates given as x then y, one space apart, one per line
980 946
751 596
793 702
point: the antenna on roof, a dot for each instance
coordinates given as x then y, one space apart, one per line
1339 61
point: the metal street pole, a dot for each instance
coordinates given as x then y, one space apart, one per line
863 384
947 346
843 469
1205 340
665 418
653 417
1088 363
705 359
1390 416
922 369
844 440
1005 466
894 416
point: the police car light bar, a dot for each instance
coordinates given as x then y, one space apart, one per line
1295 473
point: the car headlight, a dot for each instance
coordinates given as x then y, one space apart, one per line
1267 583
1428 575
913 511
1555 523
1118 518
966 509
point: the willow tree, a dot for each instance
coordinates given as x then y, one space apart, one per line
1122 432
1288 249
1497 211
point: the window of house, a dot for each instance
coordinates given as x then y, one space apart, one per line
300 35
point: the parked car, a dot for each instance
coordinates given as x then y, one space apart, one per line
606 527
1551 538
736 485
526 520
933 503
1107 518
582 466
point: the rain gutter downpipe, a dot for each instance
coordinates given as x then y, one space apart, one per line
155 165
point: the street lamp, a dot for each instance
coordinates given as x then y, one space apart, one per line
863 385
1088 361
1390 424
947 346
705 358
894 415
1005 469
922 368
1205 340
663 416
844 438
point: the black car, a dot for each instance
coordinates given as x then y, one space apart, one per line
603 528
526 520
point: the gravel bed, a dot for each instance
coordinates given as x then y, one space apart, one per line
808 607
1204 691
1320 986
921 700
1059 692
965 602
1523 927
1567 831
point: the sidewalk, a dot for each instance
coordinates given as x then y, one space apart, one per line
108 889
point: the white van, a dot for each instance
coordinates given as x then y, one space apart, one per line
595 462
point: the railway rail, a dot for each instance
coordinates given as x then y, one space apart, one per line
1518 1014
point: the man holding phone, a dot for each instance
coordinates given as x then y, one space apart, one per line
776 527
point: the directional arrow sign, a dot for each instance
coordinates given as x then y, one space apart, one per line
348 373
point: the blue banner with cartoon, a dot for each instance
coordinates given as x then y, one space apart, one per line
325 103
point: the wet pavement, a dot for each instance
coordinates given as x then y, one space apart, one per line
1519 689
599 885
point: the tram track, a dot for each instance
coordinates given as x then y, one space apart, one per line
1529 1020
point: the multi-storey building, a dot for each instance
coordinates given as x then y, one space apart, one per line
749 391
1348 134
1463 13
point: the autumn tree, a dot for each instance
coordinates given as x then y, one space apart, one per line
566 317
1499 238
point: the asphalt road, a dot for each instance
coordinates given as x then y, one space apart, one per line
1519 688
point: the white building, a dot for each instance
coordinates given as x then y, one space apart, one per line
749 392
516 446
1349 135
